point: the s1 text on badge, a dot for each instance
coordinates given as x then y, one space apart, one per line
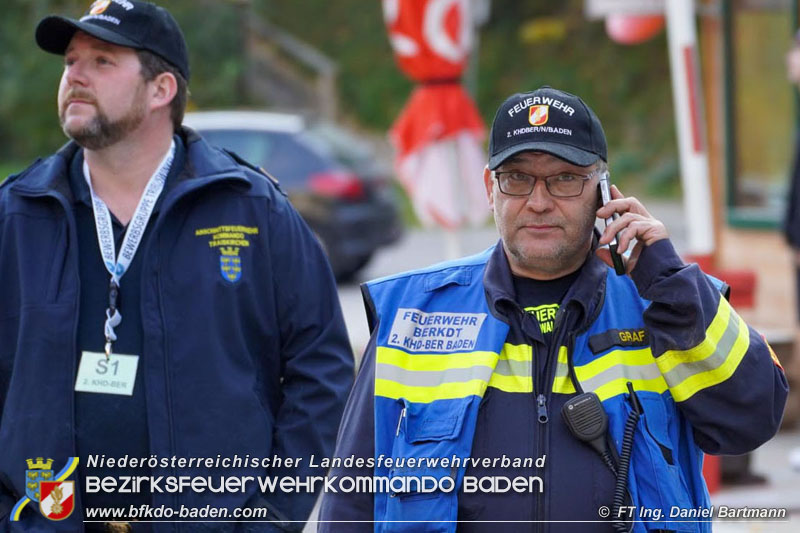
114 375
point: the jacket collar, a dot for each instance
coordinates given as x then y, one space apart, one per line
203 165
48 175
586 292
206 163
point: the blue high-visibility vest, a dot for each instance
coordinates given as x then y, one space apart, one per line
438 349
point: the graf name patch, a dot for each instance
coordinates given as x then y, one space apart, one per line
618 337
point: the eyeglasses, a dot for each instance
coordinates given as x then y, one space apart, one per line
562 185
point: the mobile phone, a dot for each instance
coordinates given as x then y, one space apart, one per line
605 197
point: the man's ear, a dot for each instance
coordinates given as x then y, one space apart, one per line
163 88
488 183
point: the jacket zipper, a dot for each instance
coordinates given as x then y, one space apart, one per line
544 391
167 388
541 444
177 194
538 380
167 204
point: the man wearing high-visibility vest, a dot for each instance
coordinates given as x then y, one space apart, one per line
533 388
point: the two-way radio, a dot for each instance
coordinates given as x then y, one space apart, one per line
587 420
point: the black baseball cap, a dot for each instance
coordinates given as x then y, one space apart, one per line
131 23
547 120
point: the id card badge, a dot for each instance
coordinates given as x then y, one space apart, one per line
114 375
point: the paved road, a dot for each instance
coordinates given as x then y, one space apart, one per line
777 461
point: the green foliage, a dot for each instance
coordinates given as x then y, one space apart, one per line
371 87
7 168
28 85
213 34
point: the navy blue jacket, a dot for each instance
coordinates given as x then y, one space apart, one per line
260 365
731 417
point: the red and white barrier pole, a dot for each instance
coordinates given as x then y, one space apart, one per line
687 96
692 147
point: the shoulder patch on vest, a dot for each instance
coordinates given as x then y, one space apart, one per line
454 276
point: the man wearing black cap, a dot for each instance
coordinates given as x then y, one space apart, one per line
165 312
532 387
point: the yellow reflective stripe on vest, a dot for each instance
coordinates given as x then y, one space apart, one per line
562 384
424 378
424 361
609 375
712 361
445 391
513 372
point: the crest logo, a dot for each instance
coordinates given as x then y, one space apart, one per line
53 492
57 501
229 240
99 6
230 264
38 471
538 114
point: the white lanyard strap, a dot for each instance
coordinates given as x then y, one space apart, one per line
117 266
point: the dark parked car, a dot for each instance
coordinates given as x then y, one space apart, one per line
329 174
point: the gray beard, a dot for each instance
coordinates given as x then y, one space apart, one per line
567 253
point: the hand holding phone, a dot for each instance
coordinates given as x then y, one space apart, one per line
635 224
605 196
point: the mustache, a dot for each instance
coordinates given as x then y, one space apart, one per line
79 94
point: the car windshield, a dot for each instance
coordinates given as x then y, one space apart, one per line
282 154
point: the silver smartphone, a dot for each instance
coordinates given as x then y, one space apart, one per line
605 197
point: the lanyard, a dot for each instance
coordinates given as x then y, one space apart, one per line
117 266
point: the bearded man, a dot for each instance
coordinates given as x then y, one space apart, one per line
159 298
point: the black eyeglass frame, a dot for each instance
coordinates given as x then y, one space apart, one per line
584 179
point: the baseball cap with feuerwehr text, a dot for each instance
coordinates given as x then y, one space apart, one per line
547 120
